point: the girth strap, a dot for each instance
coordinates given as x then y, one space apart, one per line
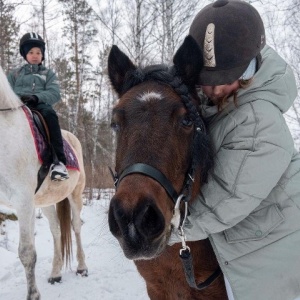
150 172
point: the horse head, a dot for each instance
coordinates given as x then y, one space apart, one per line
163 150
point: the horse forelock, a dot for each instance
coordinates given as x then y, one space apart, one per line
161 73
8 99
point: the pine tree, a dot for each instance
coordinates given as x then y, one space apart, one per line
8 35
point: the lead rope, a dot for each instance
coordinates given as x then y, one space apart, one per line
11 109
185 251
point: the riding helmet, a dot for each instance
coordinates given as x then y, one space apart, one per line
30 40
230 34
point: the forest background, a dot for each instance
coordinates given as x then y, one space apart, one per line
79 35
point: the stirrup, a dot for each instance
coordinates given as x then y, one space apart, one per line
58 172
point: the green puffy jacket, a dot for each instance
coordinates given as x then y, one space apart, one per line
35 80
250 207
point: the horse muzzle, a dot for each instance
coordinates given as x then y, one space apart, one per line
140 230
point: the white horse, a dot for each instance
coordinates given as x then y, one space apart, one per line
19 166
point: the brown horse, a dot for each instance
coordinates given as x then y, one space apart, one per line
163 154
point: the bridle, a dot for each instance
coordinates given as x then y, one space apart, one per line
185 193
11 109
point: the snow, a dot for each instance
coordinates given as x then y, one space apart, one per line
111 275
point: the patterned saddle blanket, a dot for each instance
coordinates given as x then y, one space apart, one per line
42 146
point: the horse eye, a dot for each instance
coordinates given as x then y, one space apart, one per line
115 127
186 121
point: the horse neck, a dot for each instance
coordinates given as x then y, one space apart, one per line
8 99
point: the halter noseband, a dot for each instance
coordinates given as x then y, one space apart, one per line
149 171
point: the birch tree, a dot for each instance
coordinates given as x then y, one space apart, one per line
44 16
293 42
175 18
98 134
79 33
282 26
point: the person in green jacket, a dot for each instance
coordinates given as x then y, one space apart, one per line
250 206
38 88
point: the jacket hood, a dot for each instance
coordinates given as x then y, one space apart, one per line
273 82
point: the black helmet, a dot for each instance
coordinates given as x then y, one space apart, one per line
230 34
30 40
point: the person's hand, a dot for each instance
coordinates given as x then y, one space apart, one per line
30 99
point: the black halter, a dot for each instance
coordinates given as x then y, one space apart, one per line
150 172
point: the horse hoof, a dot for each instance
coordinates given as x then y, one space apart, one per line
83 273
52 280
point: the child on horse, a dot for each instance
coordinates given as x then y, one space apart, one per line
38 88
250 206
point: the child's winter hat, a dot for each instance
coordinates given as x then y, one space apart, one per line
29 41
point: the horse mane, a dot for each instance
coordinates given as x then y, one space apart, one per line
170 76
155 73
8 99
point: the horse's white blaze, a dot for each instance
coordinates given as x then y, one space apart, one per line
19 166
150 96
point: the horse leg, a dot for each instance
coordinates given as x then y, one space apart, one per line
57 262
27 252
76 206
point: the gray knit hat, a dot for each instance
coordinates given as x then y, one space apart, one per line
230 34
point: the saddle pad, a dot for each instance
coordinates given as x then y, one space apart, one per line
41 145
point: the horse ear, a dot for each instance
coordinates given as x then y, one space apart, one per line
188 61
118 65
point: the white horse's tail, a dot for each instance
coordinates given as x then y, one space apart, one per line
8 99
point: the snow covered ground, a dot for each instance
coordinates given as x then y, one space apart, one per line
111 275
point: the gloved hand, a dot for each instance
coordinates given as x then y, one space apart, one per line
30 99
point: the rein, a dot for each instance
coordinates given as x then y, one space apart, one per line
11 109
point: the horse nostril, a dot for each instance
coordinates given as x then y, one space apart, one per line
112 220
150 222
146 221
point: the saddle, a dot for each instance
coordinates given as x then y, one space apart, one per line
45 151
